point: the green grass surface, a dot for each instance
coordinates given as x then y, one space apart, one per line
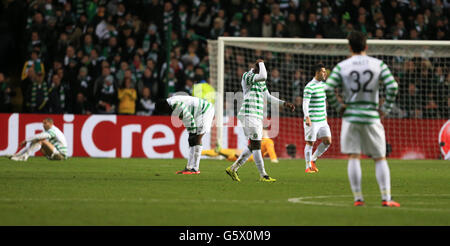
87 191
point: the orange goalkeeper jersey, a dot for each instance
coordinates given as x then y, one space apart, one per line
268 148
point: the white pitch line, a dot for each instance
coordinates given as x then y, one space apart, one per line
301 200
140 200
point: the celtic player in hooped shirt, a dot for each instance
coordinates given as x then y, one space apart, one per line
251 116
197 115
359 79
51 142
315 118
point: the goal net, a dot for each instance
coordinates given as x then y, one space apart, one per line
421 68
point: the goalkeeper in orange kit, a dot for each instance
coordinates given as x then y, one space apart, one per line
267 149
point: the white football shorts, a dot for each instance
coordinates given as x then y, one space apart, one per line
204 121
316 130
368 139
253 127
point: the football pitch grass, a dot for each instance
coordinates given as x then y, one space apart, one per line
88 191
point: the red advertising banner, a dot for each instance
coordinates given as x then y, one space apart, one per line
117 136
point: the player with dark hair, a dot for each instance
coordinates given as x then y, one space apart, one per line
251 116
315 118
359 78
51 142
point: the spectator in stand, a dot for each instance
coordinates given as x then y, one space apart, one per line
362 25
181 20
413 35
56 65
188 87
73 32
408 102
137 66
120 74
201 20
379 34
267 26
38 94
253 23
94 63
33 64
190 56
431 108
171 82
129 74
88 44
150 81
127 98
106 97
280 31
36 42
5 95
234 28
217 29
82 106
70 55
381 24
399 31
38 24
311 28
129 50
85 83
292 26
145 105
297 84
276 15
112 48
167 15
57 96
421 27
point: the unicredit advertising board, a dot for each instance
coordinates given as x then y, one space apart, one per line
118 136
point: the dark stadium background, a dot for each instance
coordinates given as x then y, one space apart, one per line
65 37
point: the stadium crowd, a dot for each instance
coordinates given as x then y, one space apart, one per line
110 56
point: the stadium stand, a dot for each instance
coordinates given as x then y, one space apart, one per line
111 56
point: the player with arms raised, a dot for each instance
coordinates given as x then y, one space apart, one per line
197 115
362 131
251 116
51 142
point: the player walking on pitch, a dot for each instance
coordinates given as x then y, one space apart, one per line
362 131
251 116
51 142
197 115
315 118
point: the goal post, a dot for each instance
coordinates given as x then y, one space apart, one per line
422 69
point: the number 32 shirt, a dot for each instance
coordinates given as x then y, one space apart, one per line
359 78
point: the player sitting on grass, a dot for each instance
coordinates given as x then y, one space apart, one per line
251 116
197 115
362 132
51 142
267 149
315 118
